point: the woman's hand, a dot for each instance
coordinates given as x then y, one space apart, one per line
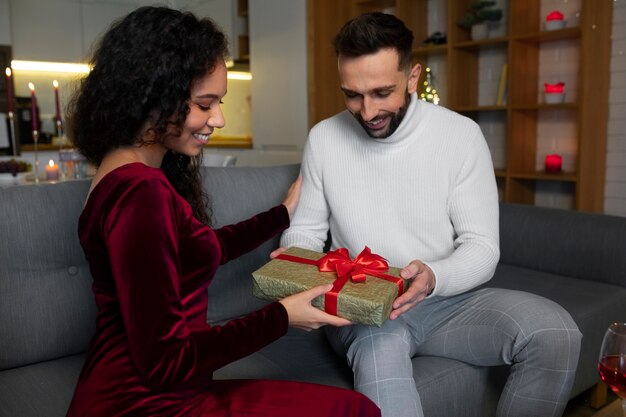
304 316
293 196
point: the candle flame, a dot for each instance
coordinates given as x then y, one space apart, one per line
55 83
51 163
8 72
31 86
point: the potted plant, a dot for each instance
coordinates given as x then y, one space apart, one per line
479 13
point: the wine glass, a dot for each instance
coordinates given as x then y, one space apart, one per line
612 361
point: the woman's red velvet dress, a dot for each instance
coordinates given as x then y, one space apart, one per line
153 353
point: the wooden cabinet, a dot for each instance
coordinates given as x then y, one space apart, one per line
468 75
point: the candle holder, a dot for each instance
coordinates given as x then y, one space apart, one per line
555 20
59 127
554 93
12 138
35 147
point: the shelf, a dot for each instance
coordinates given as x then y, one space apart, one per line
476 109
430 50
549 35
376 4
545 176
242 142
500 42
543 106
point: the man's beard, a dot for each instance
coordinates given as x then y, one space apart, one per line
395 121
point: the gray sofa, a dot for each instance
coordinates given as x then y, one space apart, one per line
47 311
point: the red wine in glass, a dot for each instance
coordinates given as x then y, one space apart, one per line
613 372
612 361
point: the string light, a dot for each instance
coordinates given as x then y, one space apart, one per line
429 93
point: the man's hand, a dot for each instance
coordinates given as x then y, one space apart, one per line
423 283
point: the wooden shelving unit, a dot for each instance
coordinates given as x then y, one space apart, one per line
521 44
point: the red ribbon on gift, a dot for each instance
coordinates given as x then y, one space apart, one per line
339 261
555 15
554 88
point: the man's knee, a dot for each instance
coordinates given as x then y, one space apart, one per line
360 342
548 331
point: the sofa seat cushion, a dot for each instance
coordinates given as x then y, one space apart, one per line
42 389
447 387
297 356
592 305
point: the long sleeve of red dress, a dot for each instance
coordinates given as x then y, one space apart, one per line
142 234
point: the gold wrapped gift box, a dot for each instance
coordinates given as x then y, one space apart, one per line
369 302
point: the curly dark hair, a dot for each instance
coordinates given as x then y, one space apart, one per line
370 32
143 70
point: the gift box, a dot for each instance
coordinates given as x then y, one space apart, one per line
364 288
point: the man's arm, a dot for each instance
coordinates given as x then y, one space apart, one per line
474 213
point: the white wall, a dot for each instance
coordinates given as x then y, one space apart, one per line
615 189
5 23
278 60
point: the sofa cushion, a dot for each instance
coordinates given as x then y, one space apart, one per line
593 306
46 304
572 243
235 198
42 389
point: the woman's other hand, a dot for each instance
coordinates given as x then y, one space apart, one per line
293 196
304 316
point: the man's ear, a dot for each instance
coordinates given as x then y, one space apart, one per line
414 77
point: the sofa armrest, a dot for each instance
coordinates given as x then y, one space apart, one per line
571 243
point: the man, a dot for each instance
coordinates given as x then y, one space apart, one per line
415 183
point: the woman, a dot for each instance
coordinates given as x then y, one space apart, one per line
142 116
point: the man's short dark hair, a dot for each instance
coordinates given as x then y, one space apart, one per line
370 32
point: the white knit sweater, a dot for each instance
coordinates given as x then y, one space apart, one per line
426 192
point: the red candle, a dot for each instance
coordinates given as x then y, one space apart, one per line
57 115
33 107
554 163
9 90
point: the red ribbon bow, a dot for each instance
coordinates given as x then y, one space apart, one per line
339 261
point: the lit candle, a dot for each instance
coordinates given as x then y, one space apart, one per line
10 109
33 107
57 116
554 163
52 171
